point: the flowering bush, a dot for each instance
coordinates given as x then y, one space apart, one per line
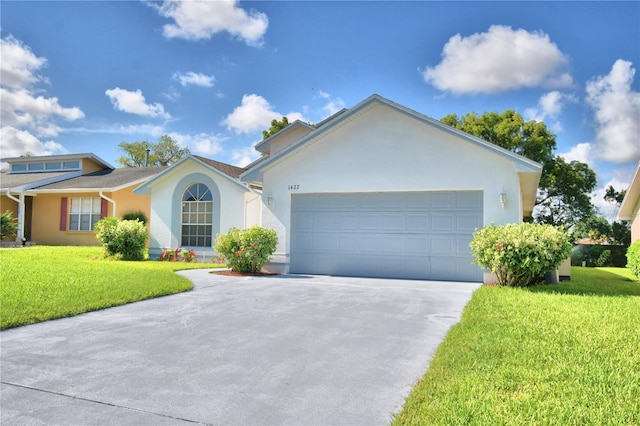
246 250
633 258
178 255
520 254
122 238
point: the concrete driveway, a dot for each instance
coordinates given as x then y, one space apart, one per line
312 350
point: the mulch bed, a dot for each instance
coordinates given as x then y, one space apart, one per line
230 273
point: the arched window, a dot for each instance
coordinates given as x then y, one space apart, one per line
197 216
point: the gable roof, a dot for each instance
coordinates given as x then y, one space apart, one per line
104 180
20 182
522 164
225 170
61 157
631 198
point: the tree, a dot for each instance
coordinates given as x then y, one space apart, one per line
620 230
276 126
596 228
163 153
563 194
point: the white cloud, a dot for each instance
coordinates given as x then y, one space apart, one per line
202 143
606 209
255 114
135 103
197 79
333 106
617 114
581 152
549 108
499 60
19 66
26 113
198 20
119 129
244 156
15 142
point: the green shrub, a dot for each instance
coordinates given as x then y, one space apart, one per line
246 250
8 225
520 254
603 259
137 215
122 238
633 258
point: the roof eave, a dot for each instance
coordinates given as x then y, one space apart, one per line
630 201
145 188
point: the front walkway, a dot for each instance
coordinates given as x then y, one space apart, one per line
257 350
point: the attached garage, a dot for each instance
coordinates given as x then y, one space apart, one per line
380 190
419 235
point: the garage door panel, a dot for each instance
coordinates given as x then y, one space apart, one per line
467 222
417 245
442 244
442 222
423 235
417 222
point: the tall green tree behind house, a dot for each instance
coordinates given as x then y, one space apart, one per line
563 195
165 152
276 126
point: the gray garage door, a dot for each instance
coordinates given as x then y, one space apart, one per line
423 235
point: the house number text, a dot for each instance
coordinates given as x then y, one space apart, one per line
293 187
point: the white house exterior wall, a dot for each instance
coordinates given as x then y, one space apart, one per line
289 137
382 150
235 209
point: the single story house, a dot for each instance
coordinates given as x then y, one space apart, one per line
194 200
58 198
376 190
630 207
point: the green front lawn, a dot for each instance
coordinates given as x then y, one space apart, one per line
41 283
566 354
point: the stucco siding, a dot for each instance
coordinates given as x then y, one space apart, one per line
166 201
47 209
383 150
287 139
635 224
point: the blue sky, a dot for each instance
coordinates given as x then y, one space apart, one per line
85 76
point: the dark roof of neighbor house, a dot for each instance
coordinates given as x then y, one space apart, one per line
104 179
227 169
14 180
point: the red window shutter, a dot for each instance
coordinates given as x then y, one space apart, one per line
63 214
103 208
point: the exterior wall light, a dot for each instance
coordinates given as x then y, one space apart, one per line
270 201
503 199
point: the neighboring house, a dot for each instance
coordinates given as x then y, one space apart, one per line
57 199
384 191
194 200
630 207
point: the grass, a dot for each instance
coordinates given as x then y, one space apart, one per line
566 354
41 283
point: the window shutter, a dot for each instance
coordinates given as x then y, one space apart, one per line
63 214
104 206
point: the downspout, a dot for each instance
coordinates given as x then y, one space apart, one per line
20 232
110 201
